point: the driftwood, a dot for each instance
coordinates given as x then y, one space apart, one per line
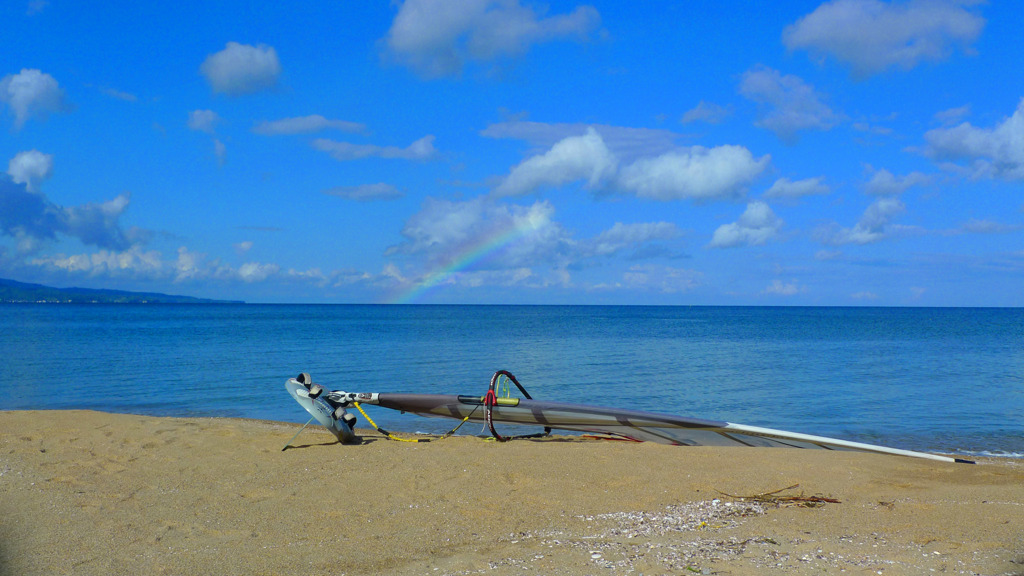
774 497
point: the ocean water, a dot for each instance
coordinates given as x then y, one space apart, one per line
935 379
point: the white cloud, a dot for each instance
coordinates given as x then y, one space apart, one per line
242 248
30 218
874 129
31 94
189 265
113 93
484 241
996 152
36 7
479 278
664 279
786 188
242 69
953 115
305 125
446 231
794 104
874 225
706 112
257 272
884 183
422 149
131 263
625 143
976 226
658 169
780 288
756 226
872 36
185 266
30 168
695 173
366 192
206 121
220 151
624 236
437 37
575 158
203 120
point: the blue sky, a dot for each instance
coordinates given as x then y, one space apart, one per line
853 152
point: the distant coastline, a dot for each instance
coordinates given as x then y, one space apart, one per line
13 292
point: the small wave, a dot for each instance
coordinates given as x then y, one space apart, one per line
991 453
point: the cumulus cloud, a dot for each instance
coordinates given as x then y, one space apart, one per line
305 125
786 188
872 36
443 231
791 104
31 94
242 69
756 226
366 192
257 272
30 168
646 163
575 158
422 149
885 183
694 173
874 225
30 218
485 241
437 37
203 120
996 152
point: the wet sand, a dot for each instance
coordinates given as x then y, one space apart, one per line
95 493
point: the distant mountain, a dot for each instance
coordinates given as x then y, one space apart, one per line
12 291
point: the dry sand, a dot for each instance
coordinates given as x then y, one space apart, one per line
93 493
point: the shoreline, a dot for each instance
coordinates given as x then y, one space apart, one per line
85 492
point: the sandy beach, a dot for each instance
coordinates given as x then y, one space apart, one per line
95 493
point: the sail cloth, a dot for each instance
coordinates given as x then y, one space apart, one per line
634 424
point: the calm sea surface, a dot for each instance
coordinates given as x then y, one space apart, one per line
947 380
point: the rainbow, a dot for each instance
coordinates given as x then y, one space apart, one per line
471 255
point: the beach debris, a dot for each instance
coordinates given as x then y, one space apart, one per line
689 517
779 500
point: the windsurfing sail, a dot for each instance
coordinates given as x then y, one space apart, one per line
631 424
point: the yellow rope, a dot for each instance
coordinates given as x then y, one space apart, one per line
391 436
452 431
385 432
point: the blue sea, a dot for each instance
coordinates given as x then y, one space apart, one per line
935 379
